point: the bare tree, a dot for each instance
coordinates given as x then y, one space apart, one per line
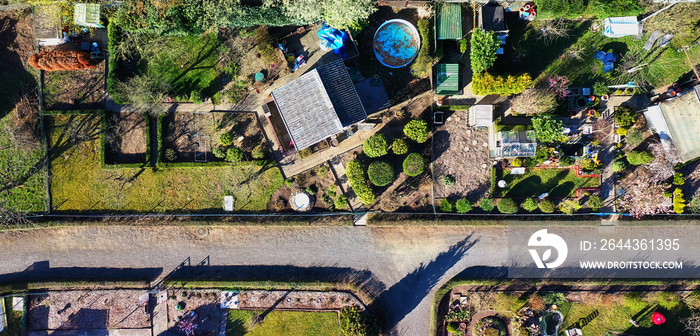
534 101
113 133
145 93
692 324
552 30
603 130
11 217
643 196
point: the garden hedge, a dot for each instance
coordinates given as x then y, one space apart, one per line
507 206
359 183
113 34
417 130
414 164
485 84
399 147
380 173
376 146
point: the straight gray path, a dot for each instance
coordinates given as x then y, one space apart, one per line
401 266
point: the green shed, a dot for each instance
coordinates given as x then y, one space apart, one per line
449 22
447 79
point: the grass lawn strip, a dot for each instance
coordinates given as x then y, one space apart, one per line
23 166
288 323
556 182
80 184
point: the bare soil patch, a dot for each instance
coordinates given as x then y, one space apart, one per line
187 133
75 89
97 309
462 153
302 300
206 306
126 137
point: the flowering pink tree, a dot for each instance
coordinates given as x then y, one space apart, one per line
559 84
644 196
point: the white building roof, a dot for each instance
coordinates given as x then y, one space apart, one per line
621 26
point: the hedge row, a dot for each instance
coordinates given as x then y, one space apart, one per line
113 33
485 84
359 183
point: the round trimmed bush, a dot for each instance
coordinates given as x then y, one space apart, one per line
380 173
226 139
218 152
637 158
447 205
376 146
517 162
508 206
486 204
400 147
463 205
234 154
417 130
414 164
529 205
547 206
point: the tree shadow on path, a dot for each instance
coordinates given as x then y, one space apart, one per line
404 296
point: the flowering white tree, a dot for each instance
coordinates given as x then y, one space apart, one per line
644 196
661 168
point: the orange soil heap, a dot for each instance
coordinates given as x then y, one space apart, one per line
61 60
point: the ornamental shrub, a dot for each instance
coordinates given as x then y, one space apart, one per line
400 147
463 44
619 166
634 137
678 179
376 146
341 202
485 84
234 154
547 129
595 202
529 205
259 153
517 162
486 204
637 158
694 205
359 183
625 117
483 49
621 131
463 205
417 130
547 206
196 97
354 322
413 164
567 161
170 154
448 180
447 205
332 190
507 206
569 206
226 139
380 173
678 201
218 152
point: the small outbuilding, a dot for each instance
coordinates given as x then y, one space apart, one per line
449 22
622 26
677 122
492 17
87 14
481 115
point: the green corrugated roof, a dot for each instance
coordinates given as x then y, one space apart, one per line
447 79
449 22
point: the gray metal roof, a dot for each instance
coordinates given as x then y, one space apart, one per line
307 110
341 91
682 117
482 115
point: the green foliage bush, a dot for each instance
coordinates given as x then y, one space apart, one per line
547 206
485 84
447 205
678 201
625 117
637 158
448 180
400 147
483 53
423 64
258 152
619 166
567 161
554 298
170 154
380 173
376 146
311 190
453 328
595 202
463 44
226 139
341 202
507 206
413 164
234 154
529 205
264 42
678 179
218 152
517 162
417 130
486 204
196 97
589 164
694 205
463 205
332 190
547 129
621 131
569 206
354 322
634 137
359 183
600 88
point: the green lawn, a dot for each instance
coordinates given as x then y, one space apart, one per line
79 183
188 63
573 56
283 323
23 172
556 182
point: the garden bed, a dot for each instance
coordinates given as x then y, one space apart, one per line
126 138
460 153
75 89
290 323
205 304
559 183
315 181
79 184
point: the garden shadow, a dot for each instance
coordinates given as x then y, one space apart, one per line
15 80
42 271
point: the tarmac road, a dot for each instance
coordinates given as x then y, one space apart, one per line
403 266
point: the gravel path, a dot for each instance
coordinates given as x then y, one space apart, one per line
402 265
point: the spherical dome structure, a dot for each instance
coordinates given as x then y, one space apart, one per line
396 43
